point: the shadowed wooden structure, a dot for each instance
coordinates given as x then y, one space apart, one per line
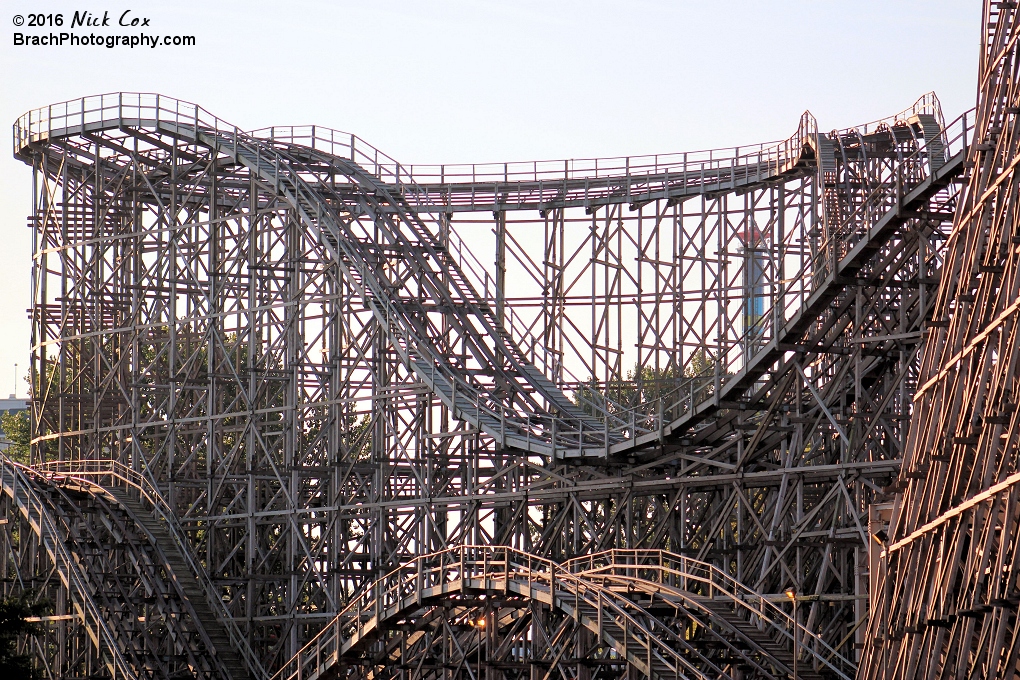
947 605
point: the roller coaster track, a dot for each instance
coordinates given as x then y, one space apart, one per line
432 306
945 604
602 593
58 498
545 185
36 509
517 405
917 179
441 317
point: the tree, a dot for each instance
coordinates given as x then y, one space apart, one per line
701 365
645 386
701 371
14 613
18 431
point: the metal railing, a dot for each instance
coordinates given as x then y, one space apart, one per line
110 110
712 161
688 575
504 570
626 422
470 400
611 424
108 474
792 297
927 103
494 186
15 479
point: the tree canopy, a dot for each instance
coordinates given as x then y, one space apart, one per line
14 614
18 431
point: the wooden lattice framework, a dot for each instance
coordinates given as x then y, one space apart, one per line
742 325
948 608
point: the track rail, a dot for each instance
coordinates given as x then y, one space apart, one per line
506 396
587 183
840 258
867 203
586 589
655 570
590 182
937 161
114 478
517 405
16 481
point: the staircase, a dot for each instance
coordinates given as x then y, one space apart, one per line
471 352
932 132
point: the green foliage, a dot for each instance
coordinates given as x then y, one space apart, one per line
643 385
701 365
589 397
357 440
18 430
647 385
13 614
355 443
194 362
702 368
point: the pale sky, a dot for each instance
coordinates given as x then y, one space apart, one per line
460 81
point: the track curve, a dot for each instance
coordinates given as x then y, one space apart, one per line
430 306
308 517
64 505
602 593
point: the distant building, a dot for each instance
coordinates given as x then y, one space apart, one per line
12 403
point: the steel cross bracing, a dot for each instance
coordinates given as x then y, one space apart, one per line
946 605
294 342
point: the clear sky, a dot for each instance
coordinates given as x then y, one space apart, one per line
461 81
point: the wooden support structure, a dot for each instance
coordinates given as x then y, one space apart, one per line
946 606
329 364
